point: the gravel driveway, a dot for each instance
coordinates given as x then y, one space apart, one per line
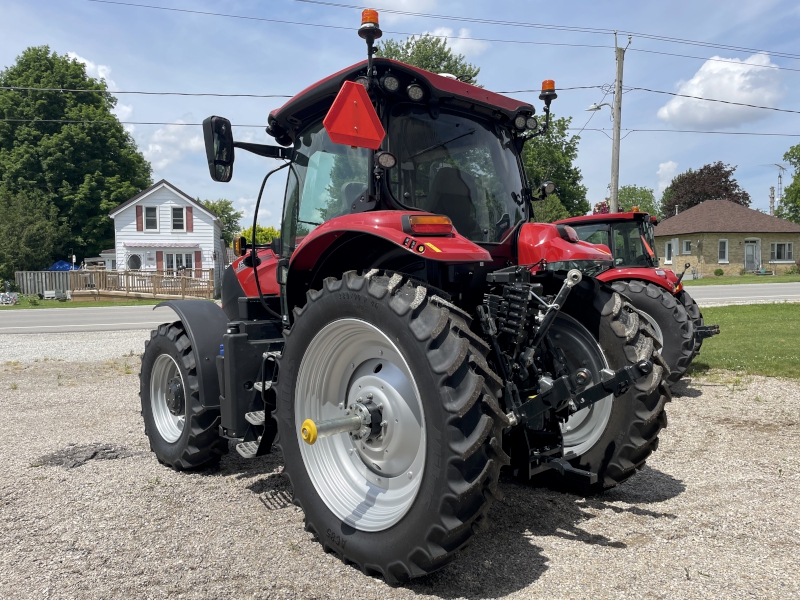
88 512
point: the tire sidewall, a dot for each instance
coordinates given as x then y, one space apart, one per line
401 539
169 452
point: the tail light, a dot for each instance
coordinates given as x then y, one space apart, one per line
428 225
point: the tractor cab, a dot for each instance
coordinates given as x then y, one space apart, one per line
629 235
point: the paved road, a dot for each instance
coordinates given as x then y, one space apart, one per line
744 294
62 320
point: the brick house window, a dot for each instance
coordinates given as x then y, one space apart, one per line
781 251
668 253
687 247
723 251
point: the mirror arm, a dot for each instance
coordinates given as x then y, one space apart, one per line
265 150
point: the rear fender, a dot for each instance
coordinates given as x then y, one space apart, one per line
642 274
205 324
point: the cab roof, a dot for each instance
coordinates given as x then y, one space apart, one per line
312 103
621 216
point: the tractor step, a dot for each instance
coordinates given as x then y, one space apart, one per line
256 417
247 449
257 386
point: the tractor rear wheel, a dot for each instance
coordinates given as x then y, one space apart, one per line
695 315
614 437
182 432
669 321
399 504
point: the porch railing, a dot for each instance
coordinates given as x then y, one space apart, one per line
198 283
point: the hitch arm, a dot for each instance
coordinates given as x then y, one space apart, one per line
706 331
561 398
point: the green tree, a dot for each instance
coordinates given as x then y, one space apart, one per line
429 53
549 210
30 230
643 197
82 170
228 216
714 181
550 157
264 235
789 207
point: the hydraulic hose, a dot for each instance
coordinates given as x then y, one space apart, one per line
253 250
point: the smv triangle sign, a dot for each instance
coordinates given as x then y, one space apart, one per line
352 120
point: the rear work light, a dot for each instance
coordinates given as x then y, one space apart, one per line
427 225
568 233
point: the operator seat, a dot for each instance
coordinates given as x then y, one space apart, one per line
453 193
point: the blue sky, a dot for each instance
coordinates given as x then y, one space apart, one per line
154 50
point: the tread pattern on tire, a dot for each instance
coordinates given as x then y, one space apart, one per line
474 420
203 446
693 310
650 396
683 322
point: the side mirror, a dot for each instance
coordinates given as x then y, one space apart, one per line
219 148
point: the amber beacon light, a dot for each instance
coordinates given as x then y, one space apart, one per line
370 27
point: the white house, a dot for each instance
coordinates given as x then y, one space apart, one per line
165 229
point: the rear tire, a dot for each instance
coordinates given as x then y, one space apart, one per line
630 433
693 310
460 422
183 433
673 327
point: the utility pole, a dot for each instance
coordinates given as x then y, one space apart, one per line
772 200
617 116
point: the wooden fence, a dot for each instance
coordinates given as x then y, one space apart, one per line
197 283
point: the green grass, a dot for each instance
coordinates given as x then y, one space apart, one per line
733 279
757 339
24 303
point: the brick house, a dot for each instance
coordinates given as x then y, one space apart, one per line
719 234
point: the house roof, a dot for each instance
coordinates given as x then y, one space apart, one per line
156 186
723 216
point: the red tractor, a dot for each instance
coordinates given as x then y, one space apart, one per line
410 334
656 292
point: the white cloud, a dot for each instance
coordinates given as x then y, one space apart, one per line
405 5
736 81
123 111
169 144
459 44
247 206
666 171
95 70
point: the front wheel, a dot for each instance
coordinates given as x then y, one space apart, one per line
403 499
693 310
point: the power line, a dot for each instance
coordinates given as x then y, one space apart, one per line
705 58
784 110
746 133
570 28
109 122
114 122
37 89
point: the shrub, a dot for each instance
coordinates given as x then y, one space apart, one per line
719 272
33 300
793 270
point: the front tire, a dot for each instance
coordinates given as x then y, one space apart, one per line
693 310
409 513
183 433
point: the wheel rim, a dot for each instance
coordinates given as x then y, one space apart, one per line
166 374
367 485
654 326
584 428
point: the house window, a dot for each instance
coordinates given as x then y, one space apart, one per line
687 247
134 262
178 262
781 251
151 218
722 256
668 253
177 219
113 264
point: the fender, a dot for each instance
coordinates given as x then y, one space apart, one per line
542 241
643 274
386 224
205 324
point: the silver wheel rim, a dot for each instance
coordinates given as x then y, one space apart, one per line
656 329
583 429
369 486
169 426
